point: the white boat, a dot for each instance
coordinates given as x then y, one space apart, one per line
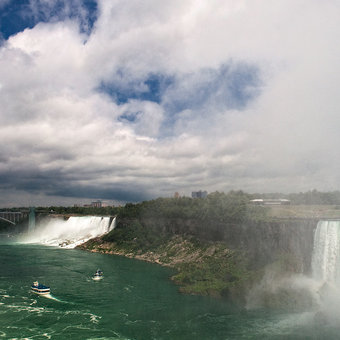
40 288
98 275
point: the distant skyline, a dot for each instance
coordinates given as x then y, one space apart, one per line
126 101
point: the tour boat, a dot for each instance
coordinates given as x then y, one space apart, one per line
39 288
98 275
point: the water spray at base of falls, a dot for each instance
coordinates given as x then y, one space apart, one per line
326 269
318 292
70 233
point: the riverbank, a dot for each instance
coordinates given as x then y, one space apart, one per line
217 246
200 268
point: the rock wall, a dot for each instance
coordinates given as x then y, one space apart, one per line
263 242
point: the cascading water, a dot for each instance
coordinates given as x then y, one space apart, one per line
326 270
319 291
325 258
70 233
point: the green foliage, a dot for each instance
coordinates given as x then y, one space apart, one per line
316 197
206 219
256 213
134 236
131 210
227 208
219 207
103 211
213 274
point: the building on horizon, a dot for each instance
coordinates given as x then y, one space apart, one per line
270 201
96 204
199 194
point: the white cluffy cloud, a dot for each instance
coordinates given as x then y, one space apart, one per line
177 96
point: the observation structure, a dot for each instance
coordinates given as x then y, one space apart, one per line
15 217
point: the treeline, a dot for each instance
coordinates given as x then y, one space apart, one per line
232 207
103 211
146 225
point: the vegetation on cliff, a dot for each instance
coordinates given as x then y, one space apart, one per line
218 246
203 268
186 234
312 197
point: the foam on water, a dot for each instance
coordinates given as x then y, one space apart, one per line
69 233
51 297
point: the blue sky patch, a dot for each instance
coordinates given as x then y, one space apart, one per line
17 15
150 89
228 87
129 116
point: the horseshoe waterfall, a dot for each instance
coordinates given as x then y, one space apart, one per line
325 258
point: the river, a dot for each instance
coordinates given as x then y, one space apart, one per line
135 300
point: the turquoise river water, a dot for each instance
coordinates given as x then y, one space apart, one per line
135 300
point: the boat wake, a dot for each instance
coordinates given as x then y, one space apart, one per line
51 297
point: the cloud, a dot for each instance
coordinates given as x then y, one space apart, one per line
128 100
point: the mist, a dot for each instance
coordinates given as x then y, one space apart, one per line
69 233
316 293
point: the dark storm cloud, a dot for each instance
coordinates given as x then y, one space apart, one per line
55 183
122 193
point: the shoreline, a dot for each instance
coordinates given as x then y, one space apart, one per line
147 257
199 269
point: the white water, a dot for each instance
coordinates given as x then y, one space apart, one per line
70 233
326 269
318 292
326 259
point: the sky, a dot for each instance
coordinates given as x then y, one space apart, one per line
126 101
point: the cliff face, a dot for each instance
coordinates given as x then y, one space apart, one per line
214 258
266 242
262 242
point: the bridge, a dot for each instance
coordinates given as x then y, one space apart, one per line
13 217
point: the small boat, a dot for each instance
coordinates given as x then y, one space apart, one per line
39 288
98 275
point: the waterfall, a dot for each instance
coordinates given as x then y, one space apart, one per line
319 292
31 219
70 233
326 270
325 257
